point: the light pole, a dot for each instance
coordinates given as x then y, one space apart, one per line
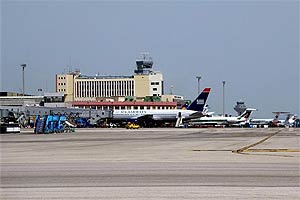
223 97
198 78
23 67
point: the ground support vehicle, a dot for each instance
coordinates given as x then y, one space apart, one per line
8 122
132 126
51 124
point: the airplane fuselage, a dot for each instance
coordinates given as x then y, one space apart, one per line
217 120
153 114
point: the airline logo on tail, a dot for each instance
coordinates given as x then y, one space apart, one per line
198 104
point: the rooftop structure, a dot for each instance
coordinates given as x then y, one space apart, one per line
144 64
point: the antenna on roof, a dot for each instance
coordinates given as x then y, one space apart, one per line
69 66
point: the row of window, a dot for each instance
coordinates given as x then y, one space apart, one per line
61 90
154 83
61 77
61 83
104 88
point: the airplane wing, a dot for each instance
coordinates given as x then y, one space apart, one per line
145 117
195 115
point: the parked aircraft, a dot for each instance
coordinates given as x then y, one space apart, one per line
274 122
290 120
194 110
222 120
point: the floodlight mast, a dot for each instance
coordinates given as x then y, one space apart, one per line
198 78
223 97
23 78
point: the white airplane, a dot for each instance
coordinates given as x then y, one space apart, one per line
273 122
222 120
194 110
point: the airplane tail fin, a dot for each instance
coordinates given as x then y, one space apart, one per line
199 102
276 117
246 114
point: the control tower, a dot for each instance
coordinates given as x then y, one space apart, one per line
240 107
144 64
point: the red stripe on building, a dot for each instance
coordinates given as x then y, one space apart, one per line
125 103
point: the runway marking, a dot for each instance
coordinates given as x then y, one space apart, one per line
256 143
247 148
272 150
263 154
211 150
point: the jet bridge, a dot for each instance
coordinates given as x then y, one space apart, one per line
80 112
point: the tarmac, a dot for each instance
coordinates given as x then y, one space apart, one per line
157 163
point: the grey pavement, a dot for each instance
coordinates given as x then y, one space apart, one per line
164 163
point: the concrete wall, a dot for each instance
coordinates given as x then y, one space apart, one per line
141 85
20 100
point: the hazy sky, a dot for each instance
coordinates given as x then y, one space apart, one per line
252 45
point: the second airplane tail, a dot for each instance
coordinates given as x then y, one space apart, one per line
246 114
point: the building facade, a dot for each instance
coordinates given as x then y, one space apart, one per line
65 84
88 88
144 82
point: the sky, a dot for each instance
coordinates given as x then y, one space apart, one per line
252 45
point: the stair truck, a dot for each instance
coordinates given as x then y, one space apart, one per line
51 124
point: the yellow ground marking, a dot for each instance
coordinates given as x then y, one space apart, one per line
272 150
266 154
247 148
211 150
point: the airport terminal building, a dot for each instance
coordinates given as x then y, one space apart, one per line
144 90
144 82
